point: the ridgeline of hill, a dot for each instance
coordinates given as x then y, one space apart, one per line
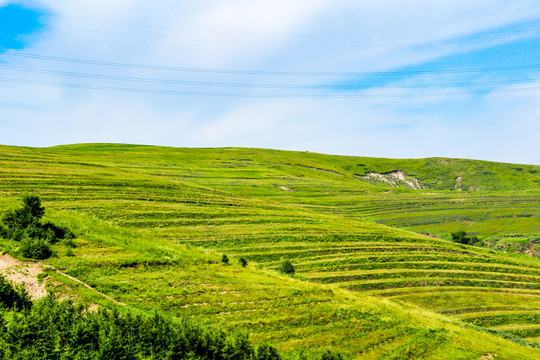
152 223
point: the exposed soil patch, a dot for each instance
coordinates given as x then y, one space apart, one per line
284 188
393 178
457 183
489 356
25 273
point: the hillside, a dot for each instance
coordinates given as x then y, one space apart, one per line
152 223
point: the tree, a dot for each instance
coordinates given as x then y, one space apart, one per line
462 238
243 262
24 225
32 204
31 213
225 259
287 267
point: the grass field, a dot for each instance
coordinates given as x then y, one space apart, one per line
152 223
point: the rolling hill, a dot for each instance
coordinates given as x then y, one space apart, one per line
376 276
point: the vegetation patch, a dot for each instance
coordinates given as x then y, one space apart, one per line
24 225
153 224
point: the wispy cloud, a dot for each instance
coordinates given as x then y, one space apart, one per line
420 118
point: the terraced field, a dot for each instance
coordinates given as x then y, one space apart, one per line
152 224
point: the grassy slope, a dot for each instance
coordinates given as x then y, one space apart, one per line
133 206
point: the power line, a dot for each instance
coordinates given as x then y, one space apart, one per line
271 72
266 85
375 41
263 95
480 37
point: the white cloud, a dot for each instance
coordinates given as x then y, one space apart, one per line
371 35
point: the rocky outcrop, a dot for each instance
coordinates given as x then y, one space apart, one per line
397 178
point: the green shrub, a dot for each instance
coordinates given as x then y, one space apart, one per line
287 267
53 329
24 225
461 237
58 232
18 219
13 297
32 204
266 352
330 355
29 214
69 243
38 249
243 262
225 259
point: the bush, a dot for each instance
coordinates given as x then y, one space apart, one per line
58 232
69 243
13 297
225 259
38 249
243 262
60 330
330 355
461 238
30 213
24 225
32 204
287 267
267 352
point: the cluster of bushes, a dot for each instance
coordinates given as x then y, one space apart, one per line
462 238
24 225
51 329
242 261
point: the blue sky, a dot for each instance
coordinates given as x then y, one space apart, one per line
387 78
19 26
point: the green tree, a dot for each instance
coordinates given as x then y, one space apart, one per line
32 204
31 213
287 267
24 225
225 259
462 238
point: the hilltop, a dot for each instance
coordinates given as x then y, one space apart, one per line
152 223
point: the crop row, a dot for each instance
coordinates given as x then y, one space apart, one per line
376 275
420 265
441 282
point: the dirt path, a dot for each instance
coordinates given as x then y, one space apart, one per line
26 273
87 286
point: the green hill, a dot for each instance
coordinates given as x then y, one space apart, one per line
152 223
